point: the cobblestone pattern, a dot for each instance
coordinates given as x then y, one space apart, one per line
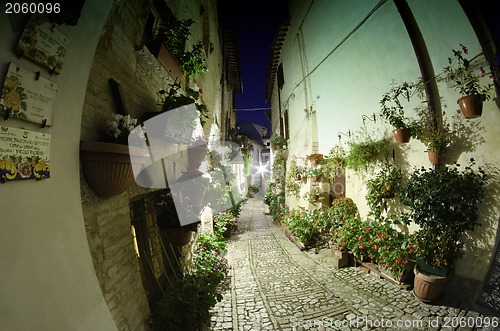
275 286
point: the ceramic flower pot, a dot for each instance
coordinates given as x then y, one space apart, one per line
428 287
107 167
434 156
471 106
402 135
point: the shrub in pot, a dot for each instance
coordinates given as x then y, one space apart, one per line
443 202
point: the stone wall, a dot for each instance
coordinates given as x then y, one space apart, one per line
107 221
490 293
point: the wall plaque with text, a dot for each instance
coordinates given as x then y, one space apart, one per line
23 154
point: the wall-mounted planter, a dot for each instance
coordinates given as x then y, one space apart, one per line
433 156
471 106
107 166
166 59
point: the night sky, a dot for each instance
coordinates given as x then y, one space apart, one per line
255 23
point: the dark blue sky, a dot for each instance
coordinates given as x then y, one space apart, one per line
255 23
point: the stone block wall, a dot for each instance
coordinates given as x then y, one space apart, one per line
107 221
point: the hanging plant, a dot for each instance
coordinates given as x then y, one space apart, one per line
468 83
335 162
392 111
365 152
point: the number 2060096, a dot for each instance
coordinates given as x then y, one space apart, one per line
32 8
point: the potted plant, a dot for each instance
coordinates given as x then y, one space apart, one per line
188 303
314 173
468 83
443 202
278 142
313 196
381 187
315 158
301 224
224 223
106 164
435 134
365 152
171 36
393 111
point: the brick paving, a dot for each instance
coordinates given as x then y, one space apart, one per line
275 286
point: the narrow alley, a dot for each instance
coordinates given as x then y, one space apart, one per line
275 286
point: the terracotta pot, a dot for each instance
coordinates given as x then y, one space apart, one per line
402 135
178 236
434 156
428 287
107 167
313 162
471 105
314 178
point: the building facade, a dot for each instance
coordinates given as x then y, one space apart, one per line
332 63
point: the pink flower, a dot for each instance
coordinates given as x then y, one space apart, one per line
464 49
201 90
481 71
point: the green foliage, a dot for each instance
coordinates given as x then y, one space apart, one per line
278 142
335 162
211 242
443 202
187 305
223 222
275 199
313 196
378 239
317 172
434 134
302 224
365 152
315 158
392 110
174 99
174 33
464 80
384 185
316 225
193 62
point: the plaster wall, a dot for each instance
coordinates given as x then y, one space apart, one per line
340 88
48 279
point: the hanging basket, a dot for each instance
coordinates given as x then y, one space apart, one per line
402 135
471 106
107 167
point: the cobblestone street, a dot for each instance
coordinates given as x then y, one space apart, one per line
275 286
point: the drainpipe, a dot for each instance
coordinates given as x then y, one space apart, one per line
423 58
